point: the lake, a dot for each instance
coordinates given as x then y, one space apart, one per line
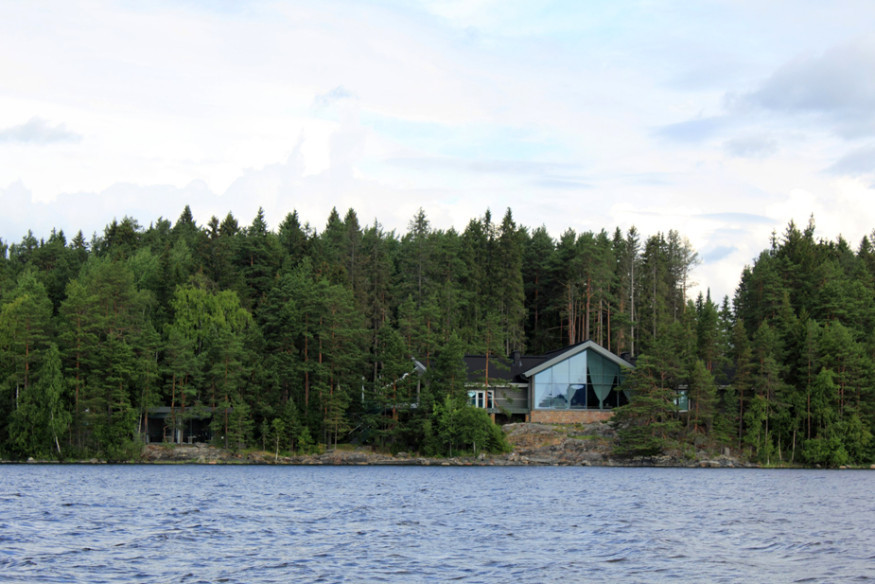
254 524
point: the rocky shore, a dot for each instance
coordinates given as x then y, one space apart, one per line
533 444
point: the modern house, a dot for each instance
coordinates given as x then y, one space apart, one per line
576 384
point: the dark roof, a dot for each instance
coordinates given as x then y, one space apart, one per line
557 356
198 412
501 368
512 368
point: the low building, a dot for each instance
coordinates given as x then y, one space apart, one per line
576 384
178 425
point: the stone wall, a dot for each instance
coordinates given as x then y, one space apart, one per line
570 416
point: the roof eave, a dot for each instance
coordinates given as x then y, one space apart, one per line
576 349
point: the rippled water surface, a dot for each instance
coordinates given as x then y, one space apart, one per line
426 524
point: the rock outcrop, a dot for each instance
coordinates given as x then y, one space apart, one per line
196 453
533 444
567 445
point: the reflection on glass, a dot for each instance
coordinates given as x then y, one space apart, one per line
583 381
553 398
578 395
481 398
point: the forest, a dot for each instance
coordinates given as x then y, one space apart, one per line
297 339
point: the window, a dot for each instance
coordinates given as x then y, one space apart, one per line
481 398
681 400
586 380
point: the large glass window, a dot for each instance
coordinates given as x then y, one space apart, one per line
584 381
562 386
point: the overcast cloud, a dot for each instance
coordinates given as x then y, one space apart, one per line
37 131
724 120
836 84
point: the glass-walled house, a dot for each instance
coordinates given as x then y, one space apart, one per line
576 384
585 380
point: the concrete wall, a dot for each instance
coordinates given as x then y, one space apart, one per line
570 416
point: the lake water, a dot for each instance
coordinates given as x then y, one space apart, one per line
257 524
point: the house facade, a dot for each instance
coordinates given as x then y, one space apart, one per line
576 384
177 425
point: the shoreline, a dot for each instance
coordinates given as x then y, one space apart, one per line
533 445
205 455
384 460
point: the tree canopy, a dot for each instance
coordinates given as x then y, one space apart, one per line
301 335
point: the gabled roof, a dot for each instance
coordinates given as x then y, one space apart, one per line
519 368
555 357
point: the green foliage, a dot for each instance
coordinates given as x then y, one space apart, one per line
457 427
447 373
25 327
648 425
703 394
239 425
826 451
277 434
317 330
756 435
41 419
306 443
807 307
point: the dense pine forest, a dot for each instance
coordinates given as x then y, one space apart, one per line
300 338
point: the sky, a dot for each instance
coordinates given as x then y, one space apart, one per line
723 120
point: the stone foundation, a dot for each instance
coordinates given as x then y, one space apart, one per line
570 416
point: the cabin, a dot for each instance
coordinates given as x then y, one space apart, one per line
178 425
575 384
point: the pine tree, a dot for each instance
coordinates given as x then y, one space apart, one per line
258 257
509 283
648 425
79 333
707 331
537 277
107 349
25 329
25 320
703 397
42 419
239 425
769 401
294 238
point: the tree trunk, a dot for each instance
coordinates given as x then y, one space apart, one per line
572 317
306 372
173 409
588 308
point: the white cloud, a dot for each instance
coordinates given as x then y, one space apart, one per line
574 115
857 162
751 146
836 84
38 131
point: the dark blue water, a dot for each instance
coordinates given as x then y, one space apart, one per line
426 524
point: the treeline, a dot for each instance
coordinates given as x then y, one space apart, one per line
785 375
298 336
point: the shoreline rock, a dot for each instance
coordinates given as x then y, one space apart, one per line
533 445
